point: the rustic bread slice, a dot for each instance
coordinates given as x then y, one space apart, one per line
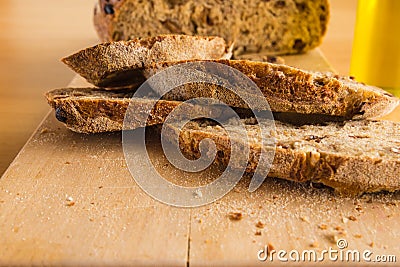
277 27
109 64
90 110
352 157
287 89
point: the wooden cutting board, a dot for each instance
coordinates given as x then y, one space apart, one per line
68 199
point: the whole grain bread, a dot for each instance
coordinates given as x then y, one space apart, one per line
352 157
113 64
96 110
276 27
287 89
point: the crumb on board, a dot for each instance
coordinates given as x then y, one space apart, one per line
314 244
352 218
235 216
258 232
44 130
371 244
323 226
358 236
270 248
70 201
345 220
260 224
304 219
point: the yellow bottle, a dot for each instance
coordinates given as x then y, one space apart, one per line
376 48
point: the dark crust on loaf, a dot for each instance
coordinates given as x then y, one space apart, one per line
117 64
276 27
334 158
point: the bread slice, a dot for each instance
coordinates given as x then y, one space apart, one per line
352 157
287 89
109 64
90 110
277 27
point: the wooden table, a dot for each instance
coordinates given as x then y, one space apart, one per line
68 199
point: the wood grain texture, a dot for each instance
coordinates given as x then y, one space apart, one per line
113 222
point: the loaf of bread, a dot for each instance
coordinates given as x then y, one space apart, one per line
352 157
272 26
113 64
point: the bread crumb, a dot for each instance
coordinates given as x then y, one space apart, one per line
314 244
338 228
323 226
345 220
70 201
67 163
235 216
259 224
372 244
44 130
270 248
352 218
358 236
258 232
304 219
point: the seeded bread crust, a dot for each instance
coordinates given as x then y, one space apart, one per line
273 26
289 89
90 110
110 64
352 157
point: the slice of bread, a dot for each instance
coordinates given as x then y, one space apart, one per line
288 89
276 27
113 64
90 110
352 157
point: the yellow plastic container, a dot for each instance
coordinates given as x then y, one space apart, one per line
376 48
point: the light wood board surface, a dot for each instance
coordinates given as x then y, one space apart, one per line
68 199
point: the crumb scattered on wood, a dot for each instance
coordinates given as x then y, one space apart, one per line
270 248
235 216
372 244
358 236
67 163
70 201
345 220
352 218
44 130
258 232
260 224
359 208
304 219
314 244
323 226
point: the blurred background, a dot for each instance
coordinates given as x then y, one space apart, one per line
35 35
